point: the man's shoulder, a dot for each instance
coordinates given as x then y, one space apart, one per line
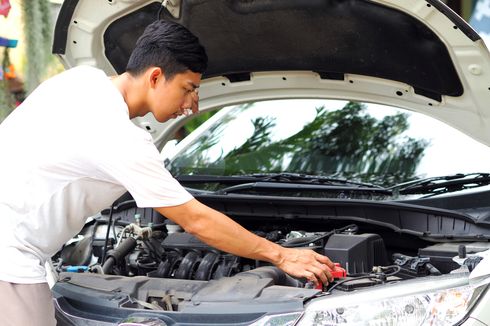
85 70
75 78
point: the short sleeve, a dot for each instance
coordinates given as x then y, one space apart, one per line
138 167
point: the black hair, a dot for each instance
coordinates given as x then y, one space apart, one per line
169 46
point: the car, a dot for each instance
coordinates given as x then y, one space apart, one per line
359 129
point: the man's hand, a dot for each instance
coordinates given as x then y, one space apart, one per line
194 105
195 101
306 263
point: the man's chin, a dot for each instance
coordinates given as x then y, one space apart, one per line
164 119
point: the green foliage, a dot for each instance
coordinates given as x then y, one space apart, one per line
38 38
197 121
344 143
250 154
353 144
7 100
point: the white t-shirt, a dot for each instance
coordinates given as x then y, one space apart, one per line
67 152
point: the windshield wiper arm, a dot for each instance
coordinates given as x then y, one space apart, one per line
284 181
202 178
288 177
289 186
442 184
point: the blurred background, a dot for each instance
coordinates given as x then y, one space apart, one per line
26 30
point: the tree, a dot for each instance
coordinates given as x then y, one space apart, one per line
38 27
346 143
6 98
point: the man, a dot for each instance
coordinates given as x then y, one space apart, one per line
70 150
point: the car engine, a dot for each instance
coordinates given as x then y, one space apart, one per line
131 241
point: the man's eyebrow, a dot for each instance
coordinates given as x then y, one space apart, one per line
194 86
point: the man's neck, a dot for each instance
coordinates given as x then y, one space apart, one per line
131 89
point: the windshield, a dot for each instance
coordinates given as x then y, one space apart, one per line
365 142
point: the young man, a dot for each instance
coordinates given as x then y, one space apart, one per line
71 150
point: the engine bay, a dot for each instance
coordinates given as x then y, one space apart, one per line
130 242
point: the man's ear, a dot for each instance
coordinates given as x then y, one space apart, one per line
155 74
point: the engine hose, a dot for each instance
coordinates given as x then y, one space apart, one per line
108 265
207 266
115 255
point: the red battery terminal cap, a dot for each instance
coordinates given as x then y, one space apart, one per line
338 271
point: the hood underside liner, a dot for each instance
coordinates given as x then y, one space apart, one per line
332 38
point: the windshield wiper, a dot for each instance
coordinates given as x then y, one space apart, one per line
284 181
442 184
282 177
203 178
278 186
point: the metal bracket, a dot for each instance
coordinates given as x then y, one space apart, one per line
173 7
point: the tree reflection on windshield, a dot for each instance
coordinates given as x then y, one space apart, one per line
347 142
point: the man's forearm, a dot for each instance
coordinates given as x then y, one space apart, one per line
219 231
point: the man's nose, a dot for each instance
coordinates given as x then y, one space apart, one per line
187 104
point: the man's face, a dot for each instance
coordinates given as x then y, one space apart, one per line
171 98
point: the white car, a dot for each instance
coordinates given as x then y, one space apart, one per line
356 128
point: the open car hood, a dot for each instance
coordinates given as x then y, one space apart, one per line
417 55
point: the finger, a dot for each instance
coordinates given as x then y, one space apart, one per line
325 260
195 102
327 272
310 276
328 269
320 274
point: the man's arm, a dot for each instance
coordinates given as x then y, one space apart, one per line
221 232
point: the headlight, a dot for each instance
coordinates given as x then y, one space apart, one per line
443 300
286 319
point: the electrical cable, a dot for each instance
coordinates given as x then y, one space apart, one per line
370 276
396 268
107 234
377 276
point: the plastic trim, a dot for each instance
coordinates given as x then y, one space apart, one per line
62 25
